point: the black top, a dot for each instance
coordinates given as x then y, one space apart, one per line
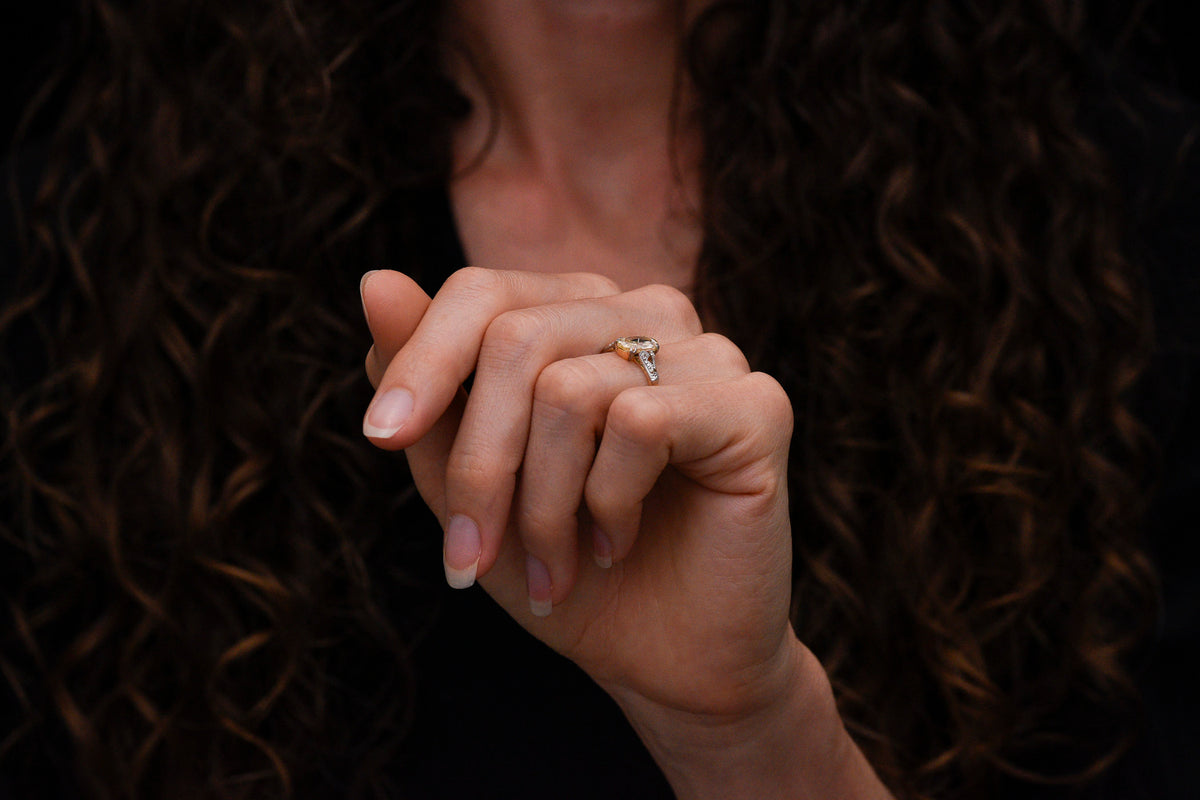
500 715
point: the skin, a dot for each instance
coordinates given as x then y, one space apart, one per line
641 531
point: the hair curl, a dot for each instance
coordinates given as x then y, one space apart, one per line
192 526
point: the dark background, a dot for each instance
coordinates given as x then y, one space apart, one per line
1156 37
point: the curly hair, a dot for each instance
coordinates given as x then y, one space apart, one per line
960 340
202 599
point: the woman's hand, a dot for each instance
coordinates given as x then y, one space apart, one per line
642 531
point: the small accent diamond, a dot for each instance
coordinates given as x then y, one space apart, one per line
647 359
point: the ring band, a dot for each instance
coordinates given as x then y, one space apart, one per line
640 350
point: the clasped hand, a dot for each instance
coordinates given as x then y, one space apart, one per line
642 531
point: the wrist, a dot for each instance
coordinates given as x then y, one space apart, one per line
786 740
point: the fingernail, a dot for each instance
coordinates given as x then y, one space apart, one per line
362 284
538 580
602 548
388 413
461 553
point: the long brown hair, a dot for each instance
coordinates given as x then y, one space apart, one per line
903 223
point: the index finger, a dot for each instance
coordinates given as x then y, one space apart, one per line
424 376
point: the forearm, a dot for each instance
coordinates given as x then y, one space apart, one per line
796 747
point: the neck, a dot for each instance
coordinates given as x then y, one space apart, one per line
561 83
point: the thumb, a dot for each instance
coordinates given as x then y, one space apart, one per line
393 304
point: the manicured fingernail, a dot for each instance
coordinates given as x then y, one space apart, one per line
362 285
602 549
461 553
388 413
537 578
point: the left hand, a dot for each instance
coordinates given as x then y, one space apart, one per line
560 448
686 480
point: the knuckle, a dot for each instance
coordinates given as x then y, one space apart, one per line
725 353
474 282
514 336
603 285
541 529
772 400
472 474
567 387
638 415
602 499
517 327
676 306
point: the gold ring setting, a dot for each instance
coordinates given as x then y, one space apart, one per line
640 350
